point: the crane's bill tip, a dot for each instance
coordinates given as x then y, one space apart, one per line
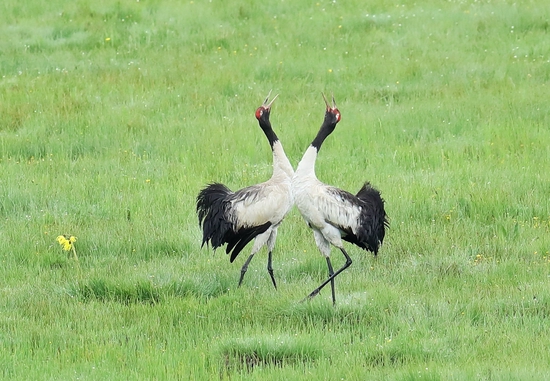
273 100
333 102
267 97
267 104
326 102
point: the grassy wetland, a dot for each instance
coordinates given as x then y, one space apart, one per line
114 114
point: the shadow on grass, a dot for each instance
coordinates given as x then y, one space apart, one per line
144 290
397 355
267 351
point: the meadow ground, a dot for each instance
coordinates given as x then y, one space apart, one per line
114 114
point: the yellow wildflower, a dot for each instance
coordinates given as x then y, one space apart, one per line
66 243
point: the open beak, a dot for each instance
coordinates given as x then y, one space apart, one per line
328 105
267 105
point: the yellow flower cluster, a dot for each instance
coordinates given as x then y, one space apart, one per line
66 242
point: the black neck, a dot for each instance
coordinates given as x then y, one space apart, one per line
326 129
268 131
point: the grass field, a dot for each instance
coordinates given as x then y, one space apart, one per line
114 114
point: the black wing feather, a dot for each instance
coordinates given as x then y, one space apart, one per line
372 223
213 210
239 240
212 205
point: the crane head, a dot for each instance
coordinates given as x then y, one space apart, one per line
265 108
332 109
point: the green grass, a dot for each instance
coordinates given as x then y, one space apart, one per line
114 114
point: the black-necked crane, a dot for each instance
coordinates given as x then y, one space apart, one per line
251 213
334 214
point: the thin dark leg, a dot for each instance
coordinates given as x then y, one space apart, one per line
244 268
270 270
331 278
330 274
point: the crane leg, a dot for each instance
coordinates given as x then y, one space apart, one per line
244 268
331 278
270 269
330 275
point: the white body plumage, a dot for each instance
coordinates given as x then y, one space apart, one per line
334 214
269 201
252 213
324 208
